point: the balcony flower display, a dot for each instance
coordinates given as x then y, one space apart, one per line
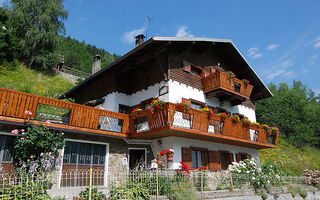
223 116
230 74
183 107
209 111
275 130
246 122
246 81
136 111
155 105
256 124
235 118
169 154
160 157
265 126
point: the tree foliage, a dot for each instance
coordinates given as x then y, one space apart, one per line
37 24
295 110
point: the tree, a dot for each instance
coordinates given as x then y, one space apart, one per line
38 24
295 111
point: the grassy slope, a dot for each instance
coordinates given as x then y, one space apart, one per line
293 160
31 81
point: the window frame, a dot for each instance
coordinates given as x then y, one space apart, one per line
3 148
204 151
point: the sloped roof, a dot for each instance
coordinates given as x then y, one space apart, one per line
150 44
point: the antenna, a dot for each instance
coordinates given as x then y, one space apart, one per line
148 19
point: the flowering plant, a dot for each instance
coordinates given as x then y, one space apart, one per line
256 124
161 154
184 171
203 168
313 176
169 152
183 107
235 118
230 74
246 122
155 105
209 111
223 116
136 111
265 126
246 81
275 130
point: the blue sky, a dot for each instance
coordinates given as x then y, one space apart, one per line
280 39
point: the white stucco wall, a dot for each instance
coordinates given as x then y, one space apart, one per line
113 100
178 90
176 143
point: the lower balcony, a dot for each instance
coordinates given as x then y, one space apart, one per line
196 124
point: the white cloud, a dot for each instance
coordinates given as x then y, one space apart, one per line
128 37
182 31
282 71
272 46
317 42
275 74
289 74
286 64
312 59
253 53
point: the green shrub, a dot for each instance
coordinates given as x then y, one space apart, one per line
295 189
95 194
130 190
183 191
264 196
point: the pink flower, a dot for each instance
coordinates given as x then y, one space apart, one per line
27 112
22 138
22 130
62 133
28 160
48 122
15 131
31 157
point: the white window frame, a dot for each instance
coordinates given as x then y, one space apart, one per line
106 160
137 148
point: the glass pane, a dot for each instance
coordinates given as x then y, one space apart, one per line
194 159
96 154
199 159
8 149
102 154
82 154
196 106
74 148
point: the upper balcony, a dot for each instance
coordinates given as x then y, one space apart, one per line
220 85
167 121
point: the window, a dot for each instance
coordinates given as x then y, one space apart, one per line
199 158
78 153
226 159
197 104
124 109
196 70
236 87
6 148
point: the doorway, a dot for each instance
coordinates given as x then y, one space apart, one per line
137 158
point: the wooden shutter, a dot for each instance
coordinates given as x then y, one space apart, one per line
185 115
186 66
186 156
231 158
214 161
238 157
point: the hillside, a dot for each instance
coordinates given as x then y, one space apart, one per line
291 159
79 55
34 82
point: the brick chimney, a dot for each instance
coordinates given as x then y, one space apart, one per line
139 39
96 65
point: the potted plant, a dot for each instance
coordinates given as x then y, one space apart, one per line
265 127
183 107
169 155
155 105
235 118
135 112
223 116
230 74
246 122
246 81
209 111
256 124
160 157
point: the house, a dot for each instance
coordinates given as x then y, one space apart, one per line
101 132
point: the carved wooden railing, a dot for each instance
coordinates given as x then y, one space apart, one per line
220 80
13 104
198 120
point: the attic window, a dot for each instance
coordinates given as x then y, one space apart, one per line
196 70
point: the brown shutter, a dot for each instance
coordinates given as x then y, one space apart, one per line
231 158
184 115
186 156
214 161
186 66
238 157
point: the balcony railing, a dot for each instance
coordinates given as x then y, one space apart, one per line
198 122
167 121
221 81
61 114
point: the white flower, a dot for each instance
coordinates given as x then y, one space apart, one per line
253 178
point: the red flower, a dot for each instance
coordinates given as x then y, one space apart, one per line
163 153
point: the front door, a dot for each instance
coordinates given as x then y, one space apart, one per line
137 158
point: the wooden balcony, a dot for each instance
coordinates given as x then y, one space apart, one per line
63 115
168 121
220 85
196 124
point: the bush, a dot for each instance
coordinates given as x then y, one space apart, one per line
295 189
183 191
95 194
130 190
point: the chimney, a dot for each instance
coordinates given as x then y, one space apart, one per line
139 39
96 65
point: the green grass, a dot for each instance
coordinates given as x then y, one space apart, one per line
291 159
31 81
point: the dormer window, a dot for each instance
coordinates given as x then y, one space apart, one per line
192 69
195 70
